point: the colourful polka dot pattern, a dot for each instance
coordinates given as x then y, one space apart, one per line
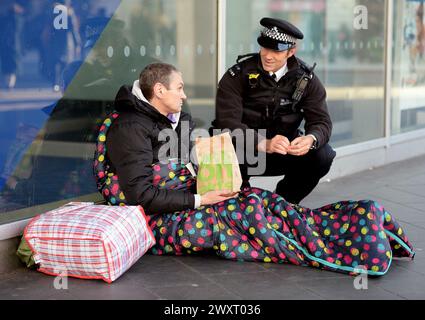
172 175
106 180
348 236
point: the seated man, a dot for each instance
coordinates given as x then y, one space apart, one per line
153 104
256 225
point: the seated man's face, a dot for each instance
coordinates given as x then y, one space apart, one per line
174 96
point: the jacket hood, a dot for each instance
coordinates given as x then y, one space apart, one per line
125 100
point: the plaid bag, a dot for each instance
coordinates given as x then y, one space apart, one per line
89 241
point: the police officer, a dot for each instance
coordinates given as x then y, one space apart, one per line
275 90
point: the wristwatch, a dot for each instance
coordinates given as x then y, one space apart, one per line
314 145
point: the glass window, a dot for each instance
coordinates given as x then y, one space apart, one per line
346 40
408 82
62 63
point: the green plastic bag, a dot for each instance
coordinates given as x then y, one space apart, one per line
25 254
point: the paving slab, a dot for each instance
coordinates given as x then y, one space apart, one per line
400 187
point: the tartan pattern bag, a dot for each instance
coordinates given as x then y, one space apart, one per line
89 241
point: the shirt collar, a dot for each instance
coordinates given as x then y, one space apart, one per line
281 72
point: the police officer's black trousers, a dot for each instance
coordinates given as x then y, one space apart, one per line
302 174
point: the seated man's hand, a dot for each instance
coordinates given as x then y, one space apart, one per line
300 146
279 144
213 197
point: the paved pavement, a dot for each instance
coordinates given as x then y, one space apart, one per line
399 187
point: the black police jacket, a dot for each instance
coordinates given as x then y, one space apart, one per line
133 146
248 97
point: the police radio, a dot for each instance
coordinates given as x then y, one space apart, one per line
301 86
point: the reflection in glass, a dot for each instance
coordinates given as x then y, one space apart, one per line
59 83
408 92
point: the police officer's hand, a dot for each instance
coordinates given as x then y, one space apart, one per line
279 144
300 146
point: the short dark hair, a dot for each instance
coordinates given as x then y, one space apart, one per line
155 73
